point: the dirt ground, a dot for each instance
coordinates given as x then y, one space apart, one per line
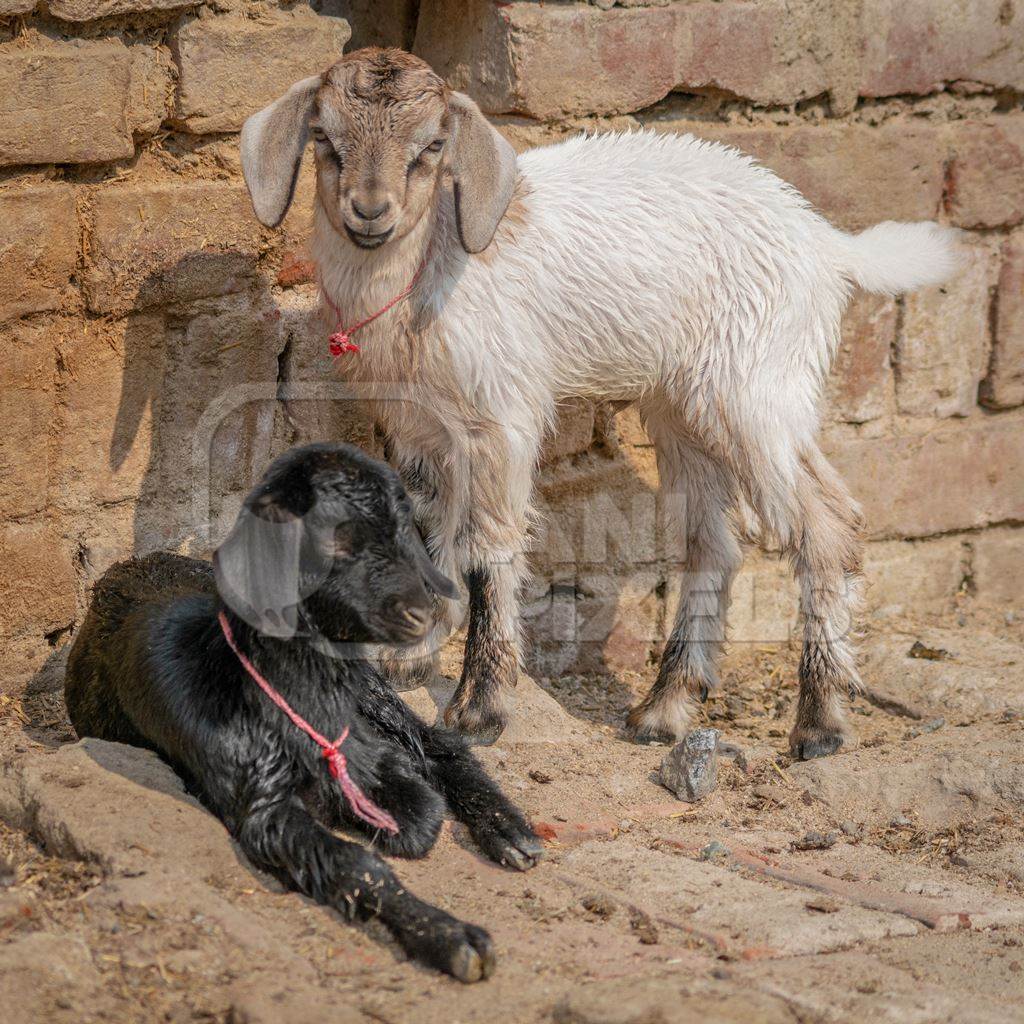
886 883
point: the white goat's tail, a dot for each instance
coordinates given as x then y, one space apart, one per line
891 257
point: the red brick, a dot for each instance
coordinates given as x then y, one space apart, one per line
953 479
855 174
27 369
985 178
158 243
38 580
38 249
65 101
233 65
917 46
1004 385
943 348
861 386
296 268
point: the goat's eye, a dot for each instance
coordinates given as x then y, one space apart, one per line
344 540
318 134
436 146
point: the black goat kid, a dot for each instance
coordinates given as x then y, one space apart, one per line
324 558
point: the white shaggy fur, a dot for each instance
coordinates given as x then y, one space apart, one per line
659 269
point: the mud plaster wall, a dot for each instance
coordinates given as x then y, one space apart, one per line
158 346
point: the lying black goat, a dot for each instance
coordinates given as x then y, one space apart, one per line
243 674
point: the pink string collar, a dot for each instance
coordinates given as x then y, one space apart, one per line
360 803
341 341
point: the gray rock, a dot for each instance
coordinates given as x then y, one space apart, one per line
714 851
690 768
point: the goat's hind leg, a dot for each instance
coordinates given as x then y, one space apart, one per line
698 493
283 839
490 542
827 558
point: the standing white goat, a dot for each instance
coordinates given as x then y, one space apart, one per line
662 270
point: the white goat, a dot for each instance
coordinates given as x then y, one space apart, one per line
661 270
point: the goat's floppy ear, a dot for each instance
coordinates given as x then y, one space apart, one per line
484 168
257 571
272 144
434 580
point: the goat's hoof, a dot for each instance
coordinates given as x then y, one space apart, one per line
481 728
511 844
807 744
472 959
642 727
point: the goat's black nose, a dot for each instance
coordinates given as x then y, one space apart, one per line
370 212
415 618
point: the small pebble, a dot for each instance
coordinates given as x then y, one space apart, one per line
822 904
850 828
598 904
690 768
814 841
541 776
900 821
714 850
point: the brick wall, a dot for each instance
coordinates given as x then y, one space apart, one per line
158 345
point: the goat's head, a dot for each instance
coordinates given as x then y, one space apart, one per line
388 134
326 545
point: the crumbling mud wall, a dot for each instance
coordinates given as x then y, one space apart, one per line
157 345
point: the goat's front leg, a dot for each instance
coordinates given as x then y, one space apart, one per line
435 507
286 841
495 823
490 545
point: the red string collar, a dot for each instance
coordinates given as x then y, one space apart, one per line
341 341
360 803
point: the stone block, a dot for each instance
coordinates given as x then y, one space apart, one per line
150 85
27 403
919 46
913 578
998 568
65 101
574 431
551 61
109 373
939 482
38 249
168 242
861 385
857 175
88 10
985 176
233 65
38 579
943 345
1003 387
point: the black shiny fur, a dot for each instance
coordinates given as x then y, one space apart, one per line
151 667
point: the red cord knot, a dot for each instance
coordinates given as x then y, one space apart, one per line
337 764
339 343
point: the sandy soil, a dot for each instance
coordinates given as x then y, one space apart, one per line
885 883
